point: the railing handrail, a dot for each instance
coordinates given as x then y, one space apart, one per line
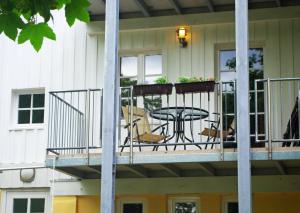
278 79
68 104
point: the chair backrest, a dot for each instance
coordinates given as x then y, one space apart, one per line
142 125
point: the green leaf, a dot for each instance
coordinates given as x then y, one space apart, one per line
36 34
61 3
10 23
77 9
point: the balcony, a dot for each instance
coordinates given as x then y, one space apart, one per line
176 131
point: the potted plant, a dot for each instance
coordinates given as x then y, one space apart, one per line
161 87
194 85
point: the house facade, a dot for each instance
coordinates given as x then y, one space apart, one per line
51 112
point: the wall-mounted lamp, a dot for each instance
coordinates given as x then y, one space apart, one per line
182 36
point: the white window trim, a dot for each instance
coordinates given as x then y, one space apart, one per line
14 126
173 200
132 201
226 200
141 54
9 196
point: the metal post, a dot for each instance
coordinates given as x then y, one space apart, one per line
269 120
110 107
243 122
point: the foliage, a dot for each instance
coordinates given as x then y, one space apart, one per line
28 20
161 80
184 79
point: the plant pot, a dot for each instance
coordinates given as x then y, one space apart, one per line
195 87
152 89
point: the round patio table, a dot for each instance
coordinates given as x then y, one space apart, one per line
179 115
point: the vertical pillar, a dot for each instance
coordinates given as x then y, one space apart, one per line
243 122
110 103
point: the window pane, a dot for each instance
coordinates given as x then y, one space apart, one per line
37 205
20 206
153 64
129 66
227 60
133 208
24 117
38 116
24 101
151 79
38 100
185 207
232 207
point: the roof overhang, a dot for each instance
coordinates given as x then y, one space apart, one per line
155 8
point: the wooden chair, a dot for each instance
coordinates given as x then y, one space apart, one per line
141 132
213 132
292 129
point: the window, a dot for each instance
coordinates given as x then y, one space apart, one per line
142 68
232 207
27 202
184 205
26 205
132 206
227 71
31 108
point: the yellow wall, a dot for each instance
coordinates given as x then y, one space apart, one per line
210 203
276 202
65 204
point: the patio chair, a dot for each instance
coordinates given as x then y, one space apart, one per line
292 129
141 132
213 132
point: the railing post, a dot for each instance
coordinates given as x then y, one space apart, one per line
221 122
269 120
131 125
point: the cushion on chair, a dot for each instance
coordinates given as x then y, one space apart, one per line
213 133
150 138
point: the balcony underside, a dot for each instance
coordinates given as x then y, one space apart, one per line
284 161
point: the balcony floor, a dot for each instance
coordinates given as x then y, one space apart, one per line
190 163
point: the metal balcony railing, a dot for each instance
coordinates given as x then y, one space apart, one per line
277 112
74 121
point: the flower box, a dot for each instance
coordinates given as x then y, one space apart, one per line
152 89
195 87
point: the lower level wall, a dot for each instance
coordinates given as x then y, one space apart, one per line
209 203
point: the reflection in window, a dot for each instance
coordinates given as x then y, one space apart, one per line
153 68
227 68
185 207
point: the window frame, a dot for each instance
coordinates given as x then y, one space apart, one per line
231 46
15 109
39 194
132 201
173 200
141 63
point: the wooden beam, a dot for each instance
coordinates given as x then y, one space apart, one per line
210 5
279 165
176 6
138 170
143 7
173 170
208 169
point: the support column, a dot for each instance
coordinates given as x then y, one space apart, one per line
243 121
110 104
